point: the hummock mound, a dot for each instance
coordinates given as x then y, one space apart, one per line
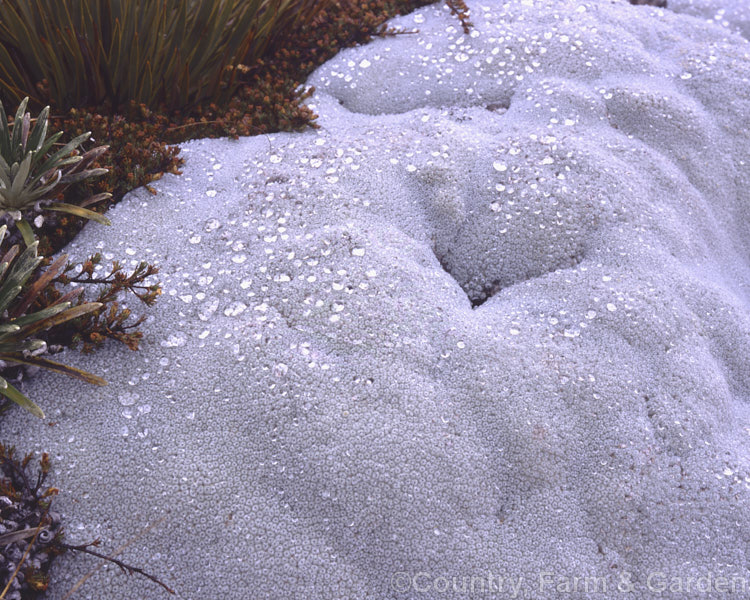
491 321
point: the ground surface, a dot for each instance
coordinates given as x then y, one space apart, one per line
490 321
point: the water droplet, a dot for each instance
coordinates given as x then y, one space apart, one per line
212 225
174 341
611 307
234 309
209 307
498 166
128 398
210 193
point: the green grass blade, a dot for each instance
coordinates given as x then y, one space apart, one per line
19 181
13 394
16 139
14 345
79 211
7 294
57 367
39 133
56 159
71 313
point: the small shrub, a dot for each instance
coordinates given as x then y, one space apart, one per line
111 320
30 530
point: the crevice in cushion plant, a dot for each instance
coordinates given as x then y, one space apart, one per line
32 177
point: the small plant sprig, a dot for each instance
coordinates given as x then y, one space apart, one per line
109 321
32 179
461 11
30 528
32 533
124 567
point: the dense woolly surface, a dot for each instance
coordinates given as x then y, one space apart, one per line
733 14
490 321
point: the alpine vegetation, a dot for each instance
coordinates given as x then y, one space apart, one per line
487 325
32 176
